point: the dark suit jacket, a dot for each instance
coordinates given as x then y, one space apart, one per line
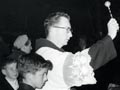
4 85
23 86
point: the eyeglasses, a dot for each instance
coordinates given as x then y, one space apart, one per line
68 28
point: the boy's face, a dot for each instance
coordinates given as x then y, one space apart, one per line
10 71
39 78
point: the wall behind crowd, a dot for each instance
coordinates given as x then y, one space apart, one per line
88 17
28 15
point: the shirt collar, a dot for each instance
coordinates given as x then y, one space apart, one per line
46 43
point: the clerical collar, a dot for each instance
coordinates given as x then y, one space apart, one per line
46 43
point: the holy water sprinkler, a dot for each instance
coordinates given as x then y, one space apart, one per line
107 4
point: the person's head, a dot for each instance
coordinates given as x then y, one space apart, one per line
57 27
33 70
23 43
9 68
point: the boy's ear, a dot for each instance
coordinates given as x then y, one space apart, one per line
3 71
29 76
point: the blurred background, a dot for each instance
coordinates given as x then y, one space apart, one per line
88 19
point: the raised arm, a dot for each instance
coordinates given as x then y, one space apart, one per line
104 50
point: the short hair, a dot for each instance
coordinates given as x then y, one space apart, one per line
5 61
53 18
21 40
32 63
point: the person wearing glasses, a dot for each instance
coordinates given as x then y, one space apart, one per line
72 69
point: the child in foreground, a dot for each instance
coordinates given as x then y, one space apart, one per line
33 69
9 74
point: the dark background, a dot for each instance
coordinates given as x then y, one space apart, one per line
88 18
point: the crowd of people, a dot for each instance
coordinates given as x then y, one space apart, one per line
50 67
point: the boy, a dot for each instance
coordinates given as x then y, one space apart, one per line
33 70
9 80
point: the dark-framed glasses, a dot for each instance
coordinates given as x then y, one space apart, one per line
66 28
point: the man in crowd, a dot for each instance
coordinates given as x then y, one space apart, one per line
72 69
